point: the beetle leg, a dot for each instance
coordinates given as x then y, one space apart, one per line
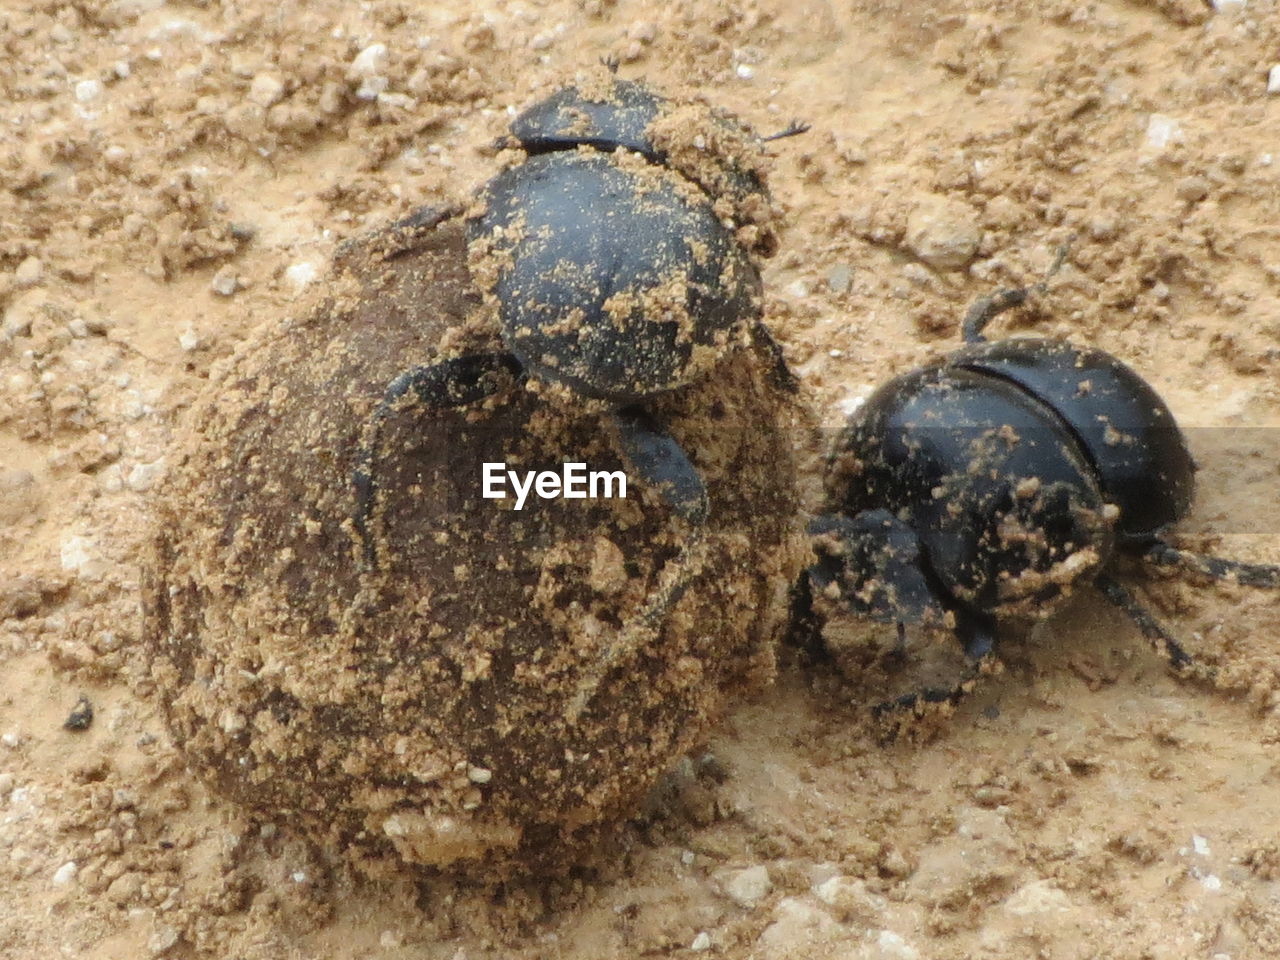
792 129
395 239
873 565
450 383
804 630
783 378
1263 575
977 635
1183 663
661 463
985 309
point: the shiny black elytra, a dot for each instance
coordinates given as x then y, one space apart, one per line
589 234
983 486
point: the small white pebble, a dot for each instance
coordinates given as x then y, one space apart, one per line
372 87
189 340
851 403
1265 160
29 272
1273 79
479 775
266 89
401 100
225 282
81 555
1211 882
687 857
542 41
300 274
797 289
299 876
1162 130
11 740
88 90
701 942
369 61
164 939
1200 845
835 354
1226 6
123 69
747 886
839 278
745 71
65 874
144 476
892 945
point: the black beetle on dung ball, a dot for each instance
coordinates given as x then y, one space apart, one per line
348 635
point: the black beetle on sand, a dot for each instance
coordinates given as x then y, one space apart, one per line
986 484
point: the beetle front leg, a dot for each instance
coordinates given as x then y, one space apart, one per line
985 309
977 634
450 383
660 463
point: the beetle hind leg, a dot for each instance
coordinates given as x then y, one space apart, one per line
439 386
985 309
663 465
1262 575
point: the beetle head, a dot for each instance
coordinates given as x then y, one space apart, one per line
871 564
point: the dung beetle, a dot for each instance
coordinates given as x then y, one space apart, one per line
984 486
619 255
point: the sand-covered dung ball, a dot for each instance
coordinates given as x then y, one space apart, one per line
419 697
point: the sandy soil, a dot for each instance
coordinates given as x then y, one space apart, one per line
171 175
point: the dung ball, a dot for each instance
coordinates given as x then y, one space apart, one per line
425 705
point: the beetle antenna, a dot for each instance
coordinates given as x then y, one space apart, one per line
1263 575
985 309
793 129
1183 663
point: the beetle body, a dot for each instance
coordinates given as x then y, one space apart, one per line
1019 464
616 267
602 290
988 484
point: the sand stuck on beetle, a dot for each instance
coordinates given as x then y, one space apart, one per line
1082 803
